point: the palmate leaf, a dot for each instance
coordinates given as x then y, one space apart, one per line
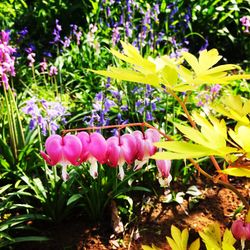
211 140
203 73
179 240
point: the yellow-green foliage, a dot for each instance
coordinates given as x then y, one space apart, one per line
213 138
179 241
211 236
170 72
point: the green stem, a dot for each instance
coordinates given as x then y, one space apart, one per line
13 141
20 132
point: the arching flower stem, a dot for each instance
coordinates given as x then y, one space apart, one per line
195 164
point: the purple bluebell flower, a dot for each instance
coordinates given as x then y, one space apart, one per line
46 115
108 82
66 42
22 33
47 53
116 94
205 45
56 33
108 104
149 116
115 35
153 106
99 96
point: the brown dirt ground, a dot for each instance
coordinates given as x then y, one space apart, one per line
154 222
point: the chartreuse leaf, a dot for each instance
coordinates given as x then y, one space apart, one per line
133 56
228 240
176 235
234 107
239 171
195 245
241 136
129 75
211 236
203 73
181 150
179 240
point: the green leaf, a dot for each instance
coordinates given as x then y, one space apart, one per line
4 188
73 199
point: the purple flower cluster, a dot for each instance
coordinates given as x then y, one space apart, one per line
102 108
7 59
75 33
147 105
208 95
47 115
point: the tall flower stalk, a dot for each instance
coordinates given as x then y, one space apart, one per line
7 68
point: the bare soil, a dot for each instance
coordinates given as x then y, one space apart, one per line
153 222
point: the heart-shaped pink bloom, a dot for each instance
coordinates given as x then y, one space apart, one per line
85 140
62 150
152 134
145 145
241 230
98 147
164 167
94 148
121 150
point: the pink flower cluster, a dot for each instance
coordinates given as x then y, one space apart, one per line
6 58
135 148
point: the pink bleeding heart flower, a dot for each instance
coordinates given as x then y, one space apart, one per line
121 150
62 150
241 231
164 167
94 148
85 140
145 146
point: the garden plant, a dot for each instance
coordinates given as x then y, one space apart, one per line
112 110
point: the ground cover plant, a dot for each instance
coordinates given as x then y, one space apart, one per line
117 109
